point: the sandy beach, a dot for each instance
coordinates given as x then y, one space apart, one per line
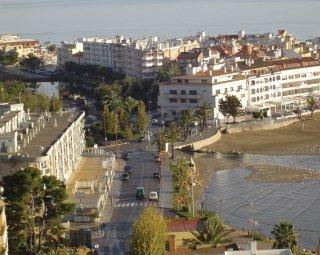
294 139
279 174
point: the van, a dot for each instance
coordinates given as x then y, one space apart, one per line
140 193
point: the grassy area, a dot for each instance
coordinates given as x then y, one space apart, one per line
300 138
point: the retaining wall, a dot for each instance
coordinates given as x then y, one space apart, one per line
203 143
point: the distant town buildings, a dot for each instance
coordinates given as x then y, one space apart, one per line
254 251
22 46
51 142
260 85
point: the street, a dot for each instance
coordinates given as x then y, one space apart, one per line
126 208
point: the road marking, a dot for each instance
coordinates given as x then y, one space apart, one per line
135 204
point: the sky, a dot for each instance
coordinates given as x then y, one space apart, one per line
57 20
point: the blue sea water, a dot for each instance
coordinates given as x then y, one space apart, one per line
57 20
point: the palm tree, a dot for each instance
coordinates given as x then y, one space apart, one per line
210 230
172 137
312 102
186 118
129 105
203 113
284 236
160 139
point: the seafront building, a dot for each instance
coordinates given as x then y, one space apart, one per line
51 142
260 85
22 46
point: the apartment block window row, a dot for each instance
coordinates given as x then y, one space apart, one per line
183 100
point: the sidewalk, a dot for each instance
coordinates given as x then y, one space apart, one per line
166 185
107 211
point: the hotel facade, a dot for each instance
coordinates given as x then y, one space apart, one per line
266 86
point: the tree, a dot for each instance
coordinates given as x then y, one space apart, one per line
186 119
166 72
35 206
9 57
210 230
31 61
55 104
51 47
160 139
230 106
130 104
29 101
284 236
312 103
44 103
203 113
149 233
172 136
142 118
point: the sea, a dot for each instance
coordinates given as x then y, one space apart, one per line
60 20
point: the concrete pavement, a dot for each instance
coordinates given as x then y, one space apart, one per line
166 185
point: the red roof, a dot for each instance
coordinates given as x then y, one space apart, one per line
182 225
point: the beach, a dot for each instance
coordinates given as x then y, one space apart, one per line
296 139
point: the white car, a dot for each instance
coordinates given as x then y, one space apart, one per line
153 196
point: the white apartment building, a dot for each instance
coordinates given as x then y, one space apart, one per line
22 46
138 59
70 51
192 91
270 86
51 142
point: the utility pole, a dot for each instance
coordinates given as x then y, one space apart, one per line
318 249
220 208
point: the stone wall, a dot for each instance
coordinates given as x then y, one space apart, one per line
203 143
261 126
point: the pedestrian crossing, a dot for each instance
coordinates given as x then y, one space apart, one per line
135 204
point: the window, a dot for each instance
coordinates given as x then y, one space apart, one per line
278 78
186 81
173 100
217 91
239 88
253 91
231 89
193 101
183 100
291 76
193 92
303 75
297 76
253 82
183 92
179 81
173 92
225 90
204 81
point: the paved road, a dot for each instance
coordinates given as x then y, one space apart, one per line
126 207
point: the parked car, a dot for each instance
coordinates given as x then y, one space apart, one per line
153 196
125 155
156 176
157 159
124 176
128 169
140 193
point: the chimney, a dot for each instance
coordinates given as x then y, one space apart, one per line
225 69
55 123
253 248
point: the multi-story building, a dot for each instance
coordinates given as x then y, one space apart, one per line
134 58
4 248
266 85
22 46
70 51
193 90
51 142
